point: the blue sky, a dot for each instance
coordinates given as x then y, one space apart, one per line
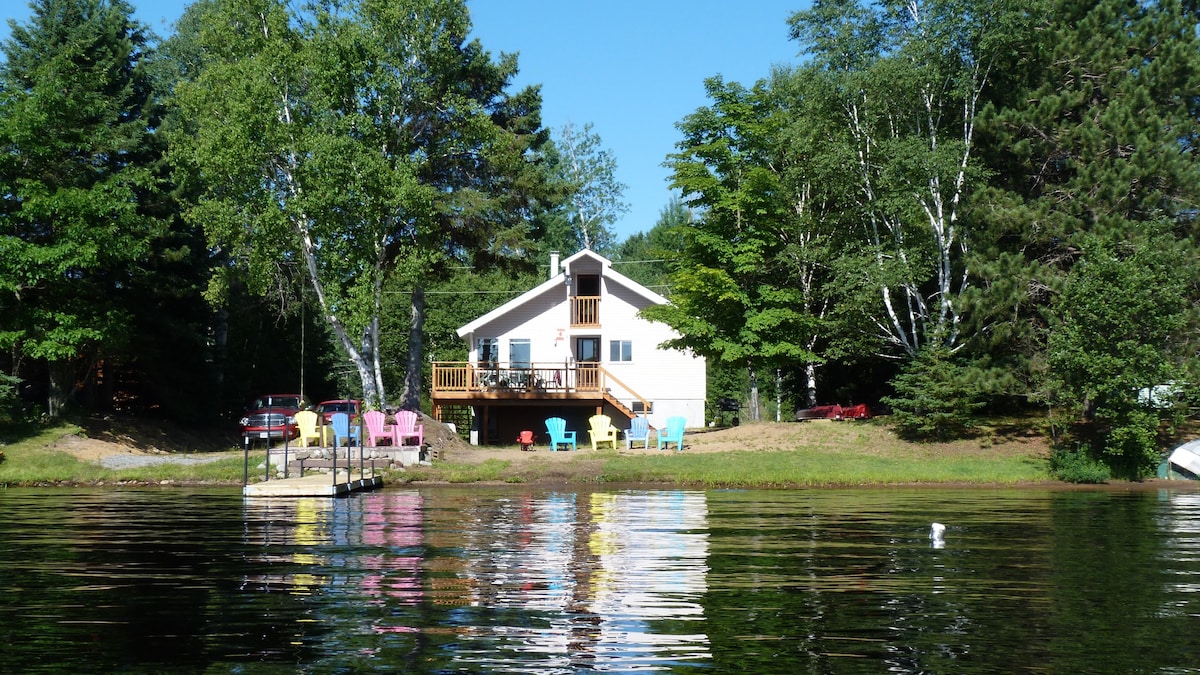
632 69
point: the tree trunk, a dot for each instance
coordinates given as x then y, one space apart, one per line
410 398
810 384
61 382
754 411
778 395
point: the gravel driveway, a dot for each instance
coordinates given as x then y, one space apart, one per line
127 461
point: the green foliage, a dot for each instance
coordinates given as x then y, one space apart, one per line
1123 327
77 118
338 141
585 173
1078 466
934 400
9 403
1091 153
450 302
734 299
645 257
900 85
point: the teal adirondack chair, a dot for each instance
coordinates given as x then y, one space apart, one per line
639 431
672 434
557 428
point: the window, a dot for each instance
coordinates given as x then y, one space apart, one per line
489 350
518 353
620 350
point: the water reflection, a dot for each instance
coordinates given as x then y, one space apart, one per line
514 580
562 579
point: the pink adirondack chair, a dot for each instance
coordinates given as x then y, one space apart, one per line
377 428
406 427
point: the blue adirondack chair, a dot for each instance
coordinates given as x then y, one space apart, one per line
672 434
557 428
340 424
639 430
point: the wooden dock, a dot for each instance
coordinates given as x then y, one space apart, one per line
315 485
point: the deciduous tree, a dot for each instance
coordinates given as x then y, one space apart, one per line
908 79
733 296
340 138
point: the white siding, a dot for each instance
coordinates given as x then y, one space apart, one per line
674 382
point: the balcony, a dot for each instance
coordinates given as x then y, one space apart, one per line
585 311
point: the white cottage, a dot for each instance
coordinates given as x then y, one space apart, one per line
572 347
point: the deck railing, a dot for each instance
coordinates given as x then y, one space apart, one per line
451 377
492 379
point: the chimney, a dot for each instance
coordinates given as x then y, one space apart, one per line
553 264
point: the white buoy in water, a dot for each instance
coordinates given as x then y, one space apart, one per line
936 532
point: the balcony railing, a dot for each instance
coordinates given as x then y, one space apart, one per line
585 311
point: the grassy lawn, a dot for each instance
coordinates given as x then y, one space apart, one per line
789 468
765 455
34 460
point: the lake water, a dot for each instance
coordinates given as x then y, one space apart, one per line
532 581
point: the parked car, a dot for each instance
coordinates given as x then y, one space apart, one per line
326 409
273 416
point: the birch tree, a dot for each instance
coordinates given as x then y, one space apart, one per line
908 78
587 173
337 138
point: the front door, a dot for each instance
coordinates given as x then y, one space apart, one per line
587 363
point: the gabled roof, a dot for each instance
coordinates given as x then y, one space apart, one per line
557 282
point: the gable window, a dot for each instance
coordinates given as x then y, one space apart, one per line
518 353
489 351
620 350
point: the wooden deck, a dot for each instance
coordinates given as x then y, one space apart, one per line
314 485
460 383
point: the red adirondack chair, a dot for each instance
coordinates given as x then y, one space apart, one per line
525 439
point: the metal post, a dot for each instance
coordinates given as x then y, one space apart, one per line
335 448
246 461
286 437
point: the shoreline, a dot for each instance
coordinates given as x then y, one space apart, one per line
763 455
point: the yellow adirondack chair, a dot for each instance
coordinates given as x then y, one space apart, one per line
306 422
602 431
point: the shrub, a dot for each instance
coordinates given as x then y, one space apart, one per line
1078 466
9 403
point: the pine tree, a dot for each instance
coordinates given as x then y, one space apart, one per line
1093 152
77 118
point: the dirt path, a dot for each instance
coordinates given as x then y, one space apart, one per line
121 446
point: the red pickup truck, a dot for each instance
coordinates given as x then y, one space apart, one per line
272 416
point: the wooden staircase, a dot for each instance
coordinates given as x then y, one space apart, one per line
618 406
